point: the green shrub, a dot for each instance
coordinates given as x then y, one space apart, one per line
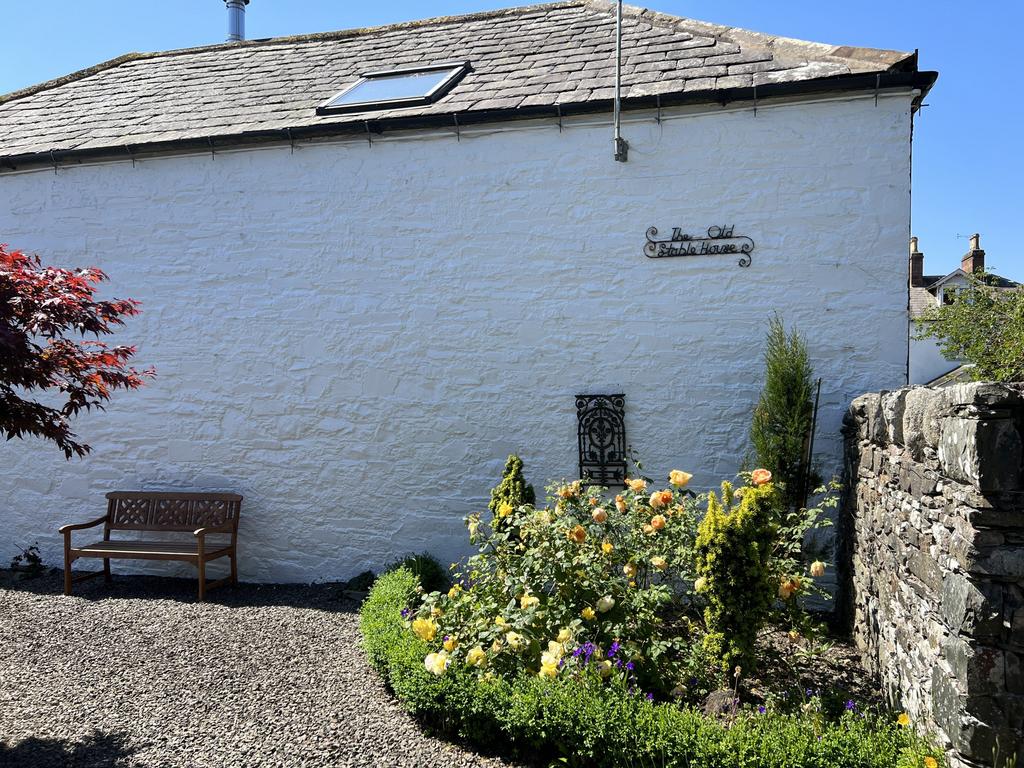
512 489
734 549
984 325
783 415
586 722
425 567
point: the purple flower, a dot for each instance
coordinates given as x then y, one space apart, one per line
850 706
649 697
405 613
630 666
809 693
618 663
761 709
613 649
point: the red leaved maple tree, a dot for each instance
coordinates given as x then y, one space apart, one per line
40 308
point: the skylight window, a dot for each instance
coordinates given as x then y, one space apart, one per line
396 88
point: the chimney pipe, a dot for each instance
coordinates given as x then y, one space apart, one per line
916 264
974 260
236 19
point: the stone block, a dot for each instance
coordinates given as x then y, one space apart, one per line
970 607
1015 673
914 409
984 453
979 669
893 405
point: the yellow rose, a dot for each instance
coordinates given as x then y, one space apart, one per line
577 534
569 491
630 570
436 663
476 657
700 584
599 515
544 517
605 603
658 522
564 635
659 562
450 643
528 601
620 504
678 478
817 569
931 762
515 640
607 547
548 670
436 611
637 485
504 509
500 621
649 529
903 719
760 476
588 613
424 629
604 668
555 649
454 591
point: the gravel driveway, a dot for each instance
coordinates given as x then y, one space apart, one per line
138 674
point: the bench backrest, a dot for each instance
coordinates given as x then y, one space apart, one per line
155 511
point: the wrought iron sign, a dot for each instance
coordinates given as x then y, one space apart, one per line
719 240
602 438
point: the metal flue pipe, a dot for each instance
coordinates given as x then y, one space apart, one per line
621 145
236 19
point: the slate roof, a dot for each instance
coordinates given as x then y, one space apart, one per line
527 61
923 297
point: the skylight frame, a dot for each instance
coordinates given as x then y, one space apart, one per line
458 71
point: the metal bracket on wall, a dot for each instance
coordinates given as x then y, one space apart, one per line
601 431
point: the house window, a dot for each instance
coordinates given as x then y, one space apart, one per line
396 88
601 427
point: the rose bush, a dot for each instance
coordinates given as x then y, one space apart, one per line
642 587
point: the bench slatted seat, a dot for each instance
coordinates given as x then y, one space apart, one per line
201 514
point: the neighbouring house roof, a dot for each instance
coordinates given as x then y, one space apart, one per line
531 61
924 297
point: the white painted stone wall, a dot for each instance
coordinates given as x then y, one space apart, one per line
354 337
927 362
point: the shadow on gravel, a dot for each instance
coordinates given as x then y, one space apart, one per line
329 597
100 750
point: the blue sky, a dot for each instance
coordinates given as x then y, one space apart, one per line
967 155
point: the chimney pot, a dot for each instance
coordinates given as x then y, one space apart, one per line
916 264
974 260
236 19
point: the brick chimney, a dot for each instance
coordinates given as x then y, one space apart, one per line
974 259
916 264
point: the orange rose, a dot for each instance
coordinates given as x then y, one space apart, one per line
637 484
599 515
658 522
620 504
577 534
760 476
594 501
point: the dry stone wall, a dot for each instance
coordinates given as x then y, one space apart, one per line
934 527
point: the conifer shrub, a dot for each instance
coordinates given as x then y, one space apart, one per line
513 489
734 571
783 416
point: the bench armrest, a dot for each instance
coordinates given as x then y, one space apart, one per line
80 526
226 528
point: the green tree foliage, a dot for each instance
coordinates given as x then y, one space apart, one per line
734 552
983 325
513 489
784 414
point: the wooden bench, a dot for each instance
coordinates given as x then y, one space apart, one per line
201 514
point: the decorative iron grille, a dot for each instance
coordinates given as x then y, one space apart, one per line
602 438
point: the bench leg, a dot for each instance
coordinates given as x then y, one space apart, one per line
234 567
67 571
202 579
106 570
